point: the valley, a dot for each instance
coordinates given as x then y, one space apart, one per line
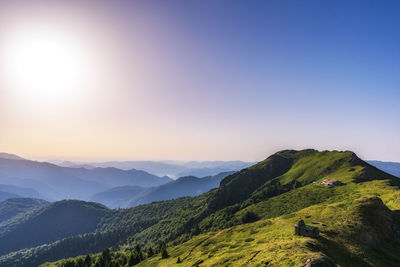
248 219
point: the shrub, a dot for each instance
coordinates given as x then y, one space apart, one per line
249 216
164 253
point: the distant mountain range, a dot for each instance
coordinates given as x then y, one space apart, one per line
114 187
7 195
14 206
110 186
118 197
182 187
52 182
21 191
390 167
173 169
10 156
247 221
130 196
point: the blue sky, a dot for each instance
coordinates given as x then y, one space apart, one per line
241 79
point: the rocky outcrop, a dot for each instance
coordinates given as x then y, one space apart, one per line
318 262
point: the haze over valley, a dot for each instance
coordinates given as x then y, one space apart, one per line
199 133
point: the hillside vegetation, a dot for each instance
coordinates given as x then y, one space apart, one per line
49 223
249 220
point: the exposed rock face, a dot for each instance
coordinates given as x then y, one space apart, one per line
319 262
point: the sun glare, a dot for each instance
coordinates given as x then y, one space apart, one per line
44 65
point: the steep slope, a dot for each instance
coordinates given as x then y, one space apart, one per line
238 187
360 233
256 224
13 206
357 229
291 169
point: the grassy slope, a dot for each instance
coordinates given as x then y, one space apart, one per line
343 219
350 234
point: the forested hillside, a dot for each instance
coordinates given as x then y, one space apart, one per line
49 223
249 219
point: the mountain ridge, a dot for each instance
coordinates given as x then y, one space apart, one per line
14 206
57 183
284 188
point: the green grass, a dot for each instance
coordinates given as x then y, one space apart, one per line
342 219
357 229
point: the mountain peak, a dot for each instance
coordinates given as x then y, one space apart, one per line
288 169
4 155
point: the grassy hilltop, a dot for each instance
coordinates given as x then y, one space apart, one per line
249 219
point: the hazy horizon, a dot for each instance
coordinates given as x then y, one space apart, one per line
188 133
58 160
226 80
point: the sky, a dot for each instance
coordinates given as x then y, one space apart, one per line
198 80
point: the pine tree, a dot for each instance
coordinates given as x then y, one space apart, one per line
133 259
150 252
138 248
164 253
88 261
106 256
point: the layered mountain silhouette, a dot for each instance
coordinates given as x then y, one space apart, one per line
390 167
10 156
248 220
14 206
173 169
55 183
130 196
118 197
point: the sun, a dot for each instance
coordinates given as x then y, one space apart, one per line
44 65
